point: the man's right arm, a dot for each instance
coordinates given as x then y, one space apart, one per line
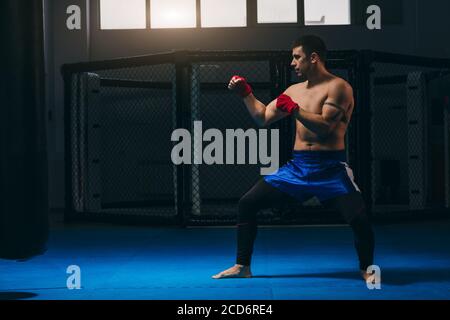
261 114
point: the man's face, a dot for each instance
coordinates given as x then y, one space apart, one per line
300 62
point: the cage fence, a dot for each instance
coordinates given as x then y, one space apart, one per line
121 115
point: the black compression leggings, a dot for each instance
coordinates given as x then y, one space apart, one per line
262 195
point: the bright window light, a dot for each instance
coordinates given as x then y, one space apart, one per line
173 14
220 13
279 11
119 14
327 12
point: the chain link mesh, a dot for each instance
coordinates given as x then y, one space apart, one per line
400 127
216 189
123 120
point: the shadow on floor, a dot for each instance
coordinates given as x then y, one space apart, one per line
388 276
16 295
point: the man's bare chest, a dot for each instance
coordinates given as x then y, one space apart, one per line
311 100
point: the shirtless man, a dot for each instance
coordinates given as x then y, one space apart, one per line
322 107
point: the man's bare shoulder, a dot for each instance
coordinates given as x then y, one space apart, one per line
340 91
337 83
295 88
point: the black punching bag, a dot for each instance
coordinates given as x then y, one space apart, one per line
23 152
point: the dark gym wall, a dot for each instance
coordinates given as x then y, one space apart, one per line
50 84
67 46
424 28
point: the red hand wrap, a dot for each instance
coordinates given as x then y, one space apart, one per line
242 88
285 104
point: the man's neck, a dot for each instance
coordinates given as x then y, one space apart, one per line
317 77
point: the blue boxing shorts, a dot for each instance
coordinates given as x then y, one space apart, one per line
321 174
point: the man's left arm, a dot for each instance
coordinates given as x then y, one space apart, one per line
340 98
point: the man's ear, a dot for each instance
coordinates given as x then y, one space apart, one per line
314 58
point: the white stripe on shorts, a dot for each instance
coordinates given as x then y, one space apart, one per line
350 175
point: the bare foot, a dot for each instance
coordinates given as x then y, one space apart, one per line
237 271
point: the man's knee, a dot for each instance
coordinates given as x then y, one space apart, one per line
247 208
352 208
360 223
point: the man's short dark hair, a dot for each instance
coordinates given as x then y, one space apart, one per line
310 44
